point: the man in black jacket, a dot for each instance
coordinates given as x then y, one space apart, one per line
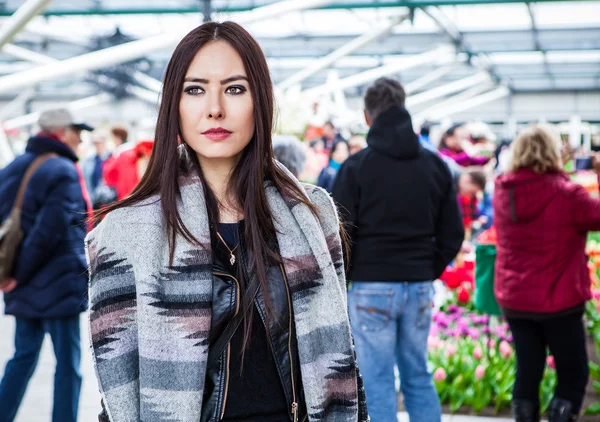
401 213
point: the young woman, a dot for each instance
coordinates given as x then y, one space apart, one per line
456 145
542 279
339 153
217 287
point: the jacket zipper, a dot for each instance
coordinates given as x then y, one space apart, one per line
237 308
289 297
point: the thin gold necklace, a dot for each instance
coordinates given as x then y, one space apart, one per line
232 255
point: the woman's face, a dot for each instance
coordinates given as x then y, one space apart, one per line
216 110
341 153
454 142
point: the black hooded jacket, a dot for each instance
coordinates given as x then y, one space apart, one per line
399 205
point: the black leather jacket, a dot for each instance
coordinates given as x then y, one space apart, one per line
280 333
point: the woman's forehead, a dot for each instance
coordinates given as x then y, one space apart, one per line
215 62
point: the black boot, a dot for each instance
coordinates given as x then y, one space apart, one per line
561 410
525 411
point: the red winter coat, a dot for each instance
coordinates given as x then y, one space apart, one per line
121 170
542 222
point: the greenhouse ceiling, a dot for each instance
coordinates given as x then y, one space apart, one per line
541 46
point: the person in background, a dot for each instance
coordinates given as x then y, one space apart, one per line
119 135
542 281
93 166
424 137
339 153
49 286
471 190
111 173
357 143
455 144
398 203
330 136
290 152
316 160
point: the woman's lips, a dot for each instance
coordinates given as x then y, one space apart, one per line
217 136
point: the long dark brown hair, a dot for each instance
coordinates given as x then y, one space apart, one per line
256 164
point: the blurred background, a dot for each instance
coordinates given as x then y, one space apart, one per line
497 65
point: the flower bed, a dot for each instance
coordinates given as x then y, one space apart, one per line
472 354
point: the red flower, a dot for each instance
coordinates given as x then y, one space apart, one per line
463 295
451 278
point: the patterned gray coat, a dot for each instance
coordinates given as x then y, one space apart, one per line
150 321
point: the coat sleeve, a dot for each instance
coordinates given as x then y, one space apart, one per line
62 200
449 230
113 320
331 228
585 210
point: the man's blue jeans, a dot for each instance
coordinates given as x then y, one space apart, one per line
390 322
29 336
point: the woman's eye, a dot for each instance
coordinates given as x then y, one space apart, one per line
194 90
235 90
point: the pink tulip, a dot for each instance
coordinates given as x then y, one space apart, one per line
479 372
433 342
451 349
477 353
505 350
550 362
492 343
439 374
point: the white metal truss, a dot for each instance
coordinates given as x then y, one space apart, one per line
32 118
137 49
20 18
427 79
343 51
447 89
493 95
440 55
449 102
16 103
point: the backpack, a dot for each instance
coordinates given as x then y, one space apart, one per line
11 234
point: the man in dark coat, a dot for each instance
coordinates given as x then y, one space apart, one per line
399 204
49 286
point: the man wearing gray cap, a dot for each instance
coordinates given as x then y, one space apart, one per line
47 285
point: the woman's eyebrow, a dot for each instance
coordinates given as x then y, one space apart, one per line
223 82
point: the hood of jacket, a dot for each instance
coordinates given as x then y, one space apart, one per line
523 195
44 143
392 134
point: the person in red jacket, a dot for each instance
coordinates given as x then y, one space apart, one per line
542 281
124 171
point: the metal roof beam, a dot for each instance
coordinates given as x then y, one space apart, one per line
538 46
440 54
469 103
348 4
31 118
457 37
343 51
20 18
450 88
136 49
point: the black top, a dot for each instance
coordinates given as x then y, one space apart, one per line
400 205
255 393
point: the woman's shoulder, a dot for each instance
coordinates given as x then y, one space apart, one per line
126 222
324 204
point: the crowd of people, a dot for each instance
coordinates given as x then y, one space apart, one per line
220 283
